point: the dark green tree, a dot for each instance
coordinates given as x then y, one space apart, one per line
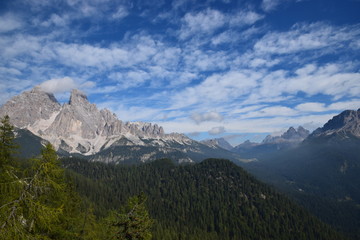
7 144
10 184
34 208
133 222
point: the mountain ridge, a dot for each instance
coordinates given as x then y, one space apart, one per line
79 127
347 122
272 144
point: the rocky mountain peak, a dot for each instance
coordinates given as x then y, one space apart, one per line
218 142
30 106
347 122
80 127
292 134
78 98
303 132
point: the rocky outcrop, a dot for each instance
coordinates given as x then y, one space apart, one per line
30 106
272 144
291 135
344 124
218 142
79 126
80 117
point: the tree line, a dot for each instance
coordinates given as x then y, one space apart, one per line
37 201
50 198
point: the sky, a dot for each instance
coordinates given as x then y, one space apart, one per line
210 68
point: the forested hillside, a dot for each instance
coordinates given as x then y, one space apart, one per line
214 199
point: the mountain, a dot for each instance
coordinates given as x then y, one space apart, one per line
272 144
30 106
291 135
344 125
80 128
218 142
214 199
322 172
31 144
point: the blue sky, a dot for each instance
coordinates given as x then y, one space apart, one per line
240 69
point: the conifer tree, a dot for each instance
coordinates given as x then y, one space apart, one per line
134 222
35 208
10 183
7 144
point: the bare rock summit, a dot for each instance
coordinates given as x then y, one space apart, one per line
30 106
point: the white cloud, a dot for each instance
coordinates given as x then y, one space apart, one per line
209 21
336 106
218 88
121 13
12 71
303 37
270 112
332 80
9 23
245 18
203 22
270 5
58 85
311 107
224 37
133 113
56 20
209 116
328 79
19 45
216 130
347 105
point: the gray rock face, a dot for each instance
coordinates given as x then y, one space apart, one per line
272 144
347 122
145 129
218 142
81 118
291 135
29 107
79 126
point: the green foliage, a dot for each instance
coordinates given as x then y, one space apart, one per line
211 200
321 174
37 206
133 221
7 144
36 202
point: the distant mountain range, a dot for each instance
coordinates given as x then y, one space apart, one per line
80 128
322 172
272 144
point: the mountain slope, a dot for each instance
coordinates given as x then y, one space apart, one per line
214 199
345 124
272 144
80 128
30 106
218 142
324 169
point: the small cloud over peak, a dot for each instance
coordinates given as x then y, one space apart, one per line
58 85
217 130
206 117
